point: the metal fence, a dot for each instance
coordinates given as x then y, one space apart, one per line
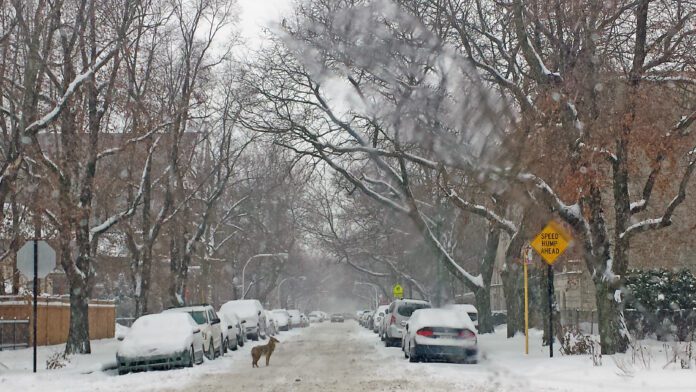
14 334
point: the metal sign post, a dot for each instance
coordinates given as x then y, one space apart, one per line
36 293
550 243
527 260
30 265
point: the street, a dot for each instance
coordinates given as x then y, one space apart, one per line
325 357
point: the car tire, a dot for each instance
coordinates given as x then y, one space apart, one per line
254 337
223 345
413 359
192 358
121 372
210 354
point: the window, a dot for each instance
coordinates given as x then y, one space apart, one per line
199 317
407 309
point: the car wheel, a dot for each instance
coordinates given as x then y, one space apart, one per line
235 346
121 372
223 346
210 354
191 358
413 358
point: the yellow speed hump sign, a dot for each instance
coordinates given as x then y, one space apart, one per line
398 291
551 242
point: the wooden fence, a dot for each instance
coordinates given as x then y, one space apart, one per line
53 317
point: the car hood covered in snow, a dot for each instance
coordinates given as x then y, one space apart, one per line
158 334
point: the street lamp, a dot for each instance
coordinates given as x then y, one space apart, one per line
283 257
280 304
375 287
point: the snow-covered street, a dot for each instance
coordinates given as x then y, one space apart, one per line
346 357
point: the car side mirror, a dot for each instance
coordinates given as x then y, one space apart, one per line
120 338
229 327
215 321
196 330
243 321
259 312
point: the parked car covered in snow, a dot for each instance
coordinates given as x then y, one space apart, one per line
470 310
251 311
377 318
440 334
271 325
295 318
282 318
230 331
209 322
397 316
160 341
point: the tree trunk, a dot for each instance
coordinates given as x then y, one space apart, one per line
483 294
612 329
483 305
513 304
78 334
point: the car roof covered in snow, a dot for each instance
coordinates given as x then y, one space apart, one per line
243 307
445 318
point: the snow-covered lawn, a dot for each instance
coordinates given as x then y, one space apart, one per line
503 366
84 372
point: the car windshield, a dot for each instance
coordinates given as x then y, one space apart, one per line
199 317
408 308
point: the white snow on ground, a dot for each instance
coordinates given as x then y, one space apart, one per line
84 372
503 366
327 352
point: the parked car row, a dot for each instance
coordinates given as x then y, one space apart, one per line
183 336
426 334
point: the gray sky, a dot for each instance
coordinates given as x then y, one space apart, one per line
257 14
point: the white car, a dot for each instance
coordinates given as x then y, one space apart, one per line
282 318
271 325
470 310
295 318
377 318
316 317
440 334
160 341
397 316
209 322
251 311
230 332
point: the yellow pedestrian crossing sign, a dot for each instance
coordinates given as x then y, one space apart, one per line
398 291
551 242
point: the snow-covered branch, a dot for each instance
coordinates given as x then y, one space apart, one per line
480 210
45 120
666 218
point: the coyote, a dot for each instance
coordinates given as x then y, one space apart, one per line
266 349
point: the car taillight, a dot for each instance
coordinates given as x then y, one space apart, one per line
392 320
427 332
466 334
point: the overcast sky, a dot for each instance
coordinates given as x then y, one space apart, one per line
257 14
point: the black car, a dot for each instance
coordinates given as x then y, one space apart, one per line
337 318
